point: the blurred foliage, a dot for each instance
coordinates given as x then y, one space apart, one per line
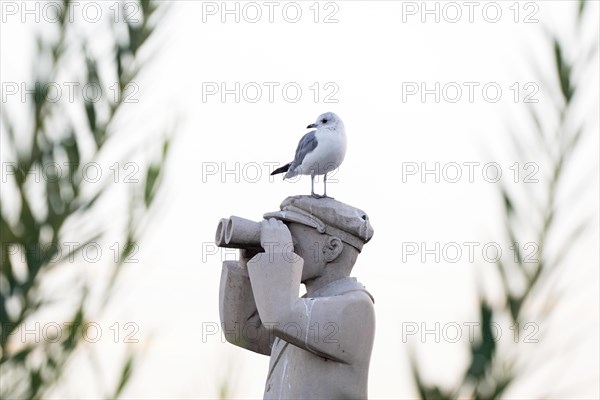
30 368
489 373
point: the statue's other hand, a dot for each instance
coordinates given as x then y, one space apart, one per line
246 255
275 237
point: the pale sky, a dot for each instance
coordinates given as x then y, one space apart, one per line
364 65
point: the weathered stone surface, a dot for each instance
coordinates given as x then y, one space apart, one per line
320 344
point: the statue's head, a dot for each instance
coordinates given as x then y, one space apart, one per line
325 233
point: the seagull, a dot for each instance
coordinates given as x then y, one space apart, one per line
319 152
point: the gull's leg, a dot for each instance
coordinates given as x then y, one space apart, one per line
312 185
325 188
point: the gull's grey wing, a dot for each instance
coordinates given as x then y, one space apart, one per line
307 144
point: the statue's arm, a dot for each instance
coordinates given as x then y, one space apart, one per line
240 321
339 328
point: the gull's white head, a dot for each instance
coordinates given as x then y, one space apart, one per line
327 121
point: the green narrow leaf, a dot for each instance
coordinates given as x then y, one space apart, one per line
36 382
77 249
8 126
90 203
563 71
70 146
580 10
64 14
509 207
90 111
75 329
54 202
27 221
126 373
539 130
128 249
119 53
39 96
574 140
165 151
134 38
147 8
514 305
151 182
21 355
482 352
90 107
516 143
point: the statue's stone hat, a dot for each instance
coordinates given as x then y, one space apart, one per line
327 216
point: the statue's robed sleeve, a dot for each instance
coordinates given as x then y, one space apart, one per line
240 320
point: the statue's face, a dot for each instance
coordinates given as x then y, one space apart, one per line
309 244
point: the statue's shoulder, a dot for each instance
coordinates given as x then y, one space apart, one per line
349 287
356 293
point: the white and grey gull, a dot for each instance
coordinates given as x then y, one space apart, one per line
319 151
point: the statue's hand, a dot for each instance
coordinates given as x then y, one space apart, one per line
246 255
275 237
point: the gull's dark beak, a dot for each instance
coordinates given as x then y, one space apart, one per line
311 126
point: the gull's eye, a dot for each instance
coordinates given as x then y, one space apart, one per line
324 120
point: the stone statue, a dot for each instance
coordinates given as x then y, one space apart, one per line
320 344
